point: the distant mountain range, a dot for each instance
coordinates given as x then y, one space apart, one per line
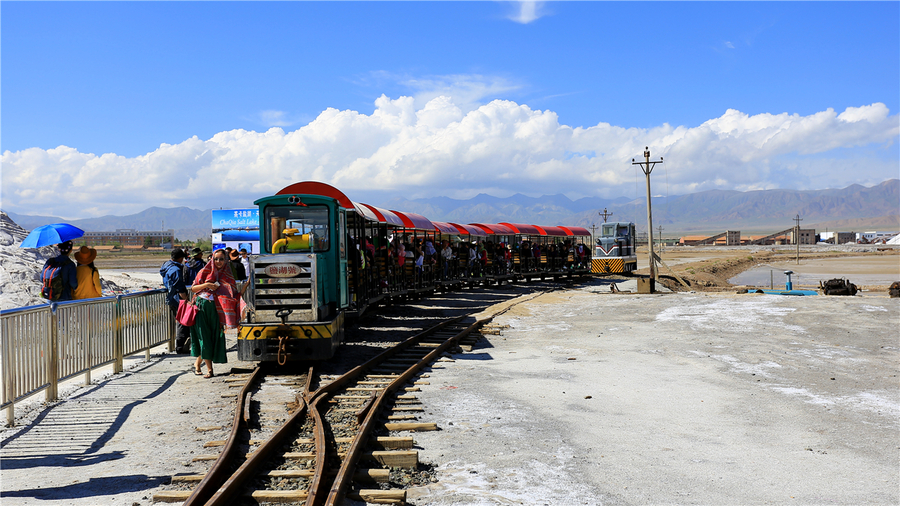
189 224
855 208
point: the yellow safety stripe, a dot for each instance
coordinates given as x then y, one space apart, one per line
325 331
601 265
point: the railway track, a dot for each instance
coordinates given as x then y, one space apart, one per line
325 448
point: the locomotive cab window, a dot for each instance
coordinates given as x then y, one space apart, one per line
298 229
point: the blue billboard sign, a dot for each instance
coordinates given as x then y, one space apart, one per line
237 228
235 219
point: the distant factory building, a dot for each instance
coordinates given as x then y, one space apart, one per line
131 238
842 237
807 236
734 238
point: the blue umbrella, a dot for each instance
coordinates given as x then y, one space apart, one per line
47 235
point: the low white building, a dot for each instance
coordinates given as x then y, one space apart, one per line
874 236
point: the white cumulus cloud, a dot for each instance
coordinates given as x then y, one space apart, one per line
440 148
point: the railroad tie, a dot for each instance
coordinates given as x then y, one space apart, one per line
388 458
413 427
279 495
172 495
208 429
395 408
402 417
386 442
378 496
214 444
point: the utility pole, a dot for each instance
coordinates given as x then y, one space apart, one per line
647 168
797 236
593 229
605 214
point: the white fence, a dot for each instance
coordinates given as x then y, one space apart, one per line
44 345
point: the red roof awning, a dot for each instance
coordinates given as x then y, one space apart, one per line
540 230
522 228
317 188
577 231
365 212
556 231
385 216
497 229
469 230
416 221
445 228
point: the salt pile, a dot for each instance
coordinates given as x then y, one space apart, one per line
20 270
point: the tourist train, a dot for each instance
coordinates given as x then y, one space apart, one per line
324 258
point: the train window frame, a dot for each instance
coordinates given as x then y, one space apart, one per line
321 221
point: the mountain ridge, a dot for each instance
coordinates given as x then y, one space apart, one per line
855 206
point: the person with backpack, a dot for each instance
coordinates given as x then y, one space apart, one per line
89 286
237 267
172 273
58 276
194 264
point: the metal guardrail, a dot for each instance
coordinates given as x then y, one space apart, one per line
46 344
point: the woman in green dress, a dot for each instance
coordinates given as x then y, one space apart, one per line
216 309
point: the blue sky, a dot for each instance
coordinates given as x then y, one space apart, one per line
102 101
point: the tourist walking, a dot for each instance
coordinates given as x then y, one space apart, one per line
88 277
216 308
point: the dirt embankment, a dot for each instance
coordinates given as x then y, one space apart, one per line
713 274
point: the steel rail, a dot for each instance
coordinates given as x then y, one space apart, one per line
381 357
345 474
318 482
220 469
231 487
318 479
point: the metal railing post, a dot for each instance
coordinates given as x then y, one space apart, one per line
148 334
88 341
171 326
119 340
52 357
9 375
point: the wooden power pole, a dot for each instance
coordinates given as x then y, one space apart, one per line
647 168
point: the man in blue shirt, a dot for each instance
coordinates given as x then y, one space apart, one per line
172 273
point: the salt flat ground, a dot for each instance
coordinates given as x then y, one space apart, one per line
690 398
